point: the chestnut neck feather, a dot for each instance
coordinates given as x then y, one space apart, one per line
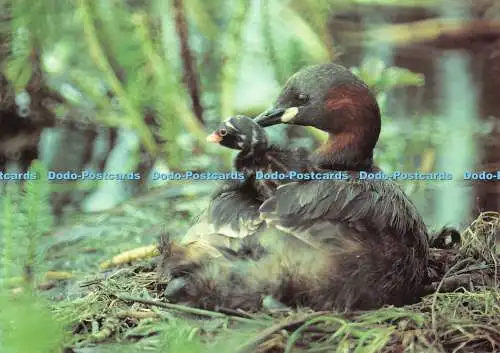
342 152
353 133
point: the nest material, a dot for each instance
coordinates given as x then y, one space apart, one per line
460 315
474 264
479 239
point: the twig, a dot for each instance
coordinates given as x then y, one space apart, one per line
446 33
137 314
232 312
260 338
186 309
163 68
434 299
458 279
190 74
474 268
450 284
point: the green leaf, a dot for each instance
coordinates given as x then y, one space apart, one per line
27 325
372 70
399 77
311 41
19 73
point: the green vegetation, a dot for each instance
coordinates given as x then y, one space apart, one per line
120 310
188 64
28 323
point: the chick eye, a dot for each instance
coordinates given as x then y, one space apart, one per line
303 97
222 132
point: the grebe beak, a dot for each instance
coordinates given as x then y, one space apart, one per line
270 117
276 116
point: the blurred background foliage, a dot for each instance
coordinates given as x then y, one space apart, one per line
152 78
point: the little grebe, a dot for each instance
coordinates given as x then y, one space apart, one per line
365 243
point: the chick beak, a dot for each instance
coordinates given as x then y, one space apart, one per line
276 116
214 138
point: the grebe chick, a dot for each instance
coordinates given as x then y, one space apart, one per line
257 155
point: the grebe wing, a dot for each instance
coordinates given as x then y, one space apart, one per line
366 208
232 215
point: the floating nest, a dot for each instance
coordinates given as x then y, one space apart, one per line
461 313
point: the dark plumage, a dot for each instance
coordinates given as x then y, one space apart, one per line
232 214
446 238
256 154
330 244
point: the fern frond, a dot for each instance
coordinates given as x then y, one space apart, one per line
88 14
8 233
35 205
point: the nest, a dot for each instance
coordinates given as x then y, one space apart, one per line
460 314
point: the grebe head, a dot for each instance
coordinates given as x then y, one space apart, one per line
240 133
329 97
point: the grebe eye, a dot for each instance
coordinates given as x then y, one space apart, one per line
223 132
303 97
